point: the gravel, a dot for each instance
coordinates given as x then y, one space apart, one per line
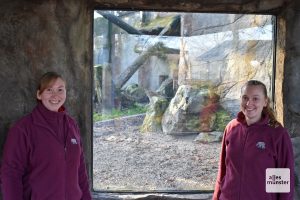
124 159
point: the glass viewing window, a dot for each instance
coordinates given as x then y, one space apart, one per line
165 86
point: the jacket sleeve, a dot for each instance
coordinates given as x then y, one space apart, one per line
222 168
83 177
285 159
14 163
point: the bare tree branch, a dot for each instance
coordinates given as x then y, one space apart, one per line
120 23
158 50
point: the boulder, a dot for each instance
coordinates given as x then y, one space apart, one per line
156 108
194 109
209 137
133 93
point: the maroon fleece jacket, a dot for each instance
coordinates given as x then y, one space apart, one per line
43 162
247 151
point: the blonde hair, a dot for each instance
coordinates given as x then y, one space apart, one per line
266 110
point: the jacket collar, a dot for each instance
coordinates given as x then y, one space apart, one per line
41 115
263 121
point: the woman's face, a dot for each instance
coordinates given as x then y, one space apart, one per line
252 103
54 96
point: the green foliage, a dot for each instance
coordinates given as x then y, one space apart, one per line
193 123
200 84
160 106
159 22
155 111
222 119
135 109
159 50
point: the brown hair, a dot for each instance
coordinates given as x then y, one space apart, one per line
266 110
47 79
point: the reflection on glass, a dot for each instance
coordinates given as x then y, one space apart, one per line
165 86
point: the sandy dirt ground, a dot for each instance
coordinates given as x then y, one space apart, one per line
124 159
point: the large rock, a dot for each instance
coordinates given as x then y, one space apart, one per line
209 137
155 111
133 93
136 93
194 109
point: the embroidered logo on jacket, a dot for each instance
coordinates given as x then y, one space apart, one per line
261 145
73 141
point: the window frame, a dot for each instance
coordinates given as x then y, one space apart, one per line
102 194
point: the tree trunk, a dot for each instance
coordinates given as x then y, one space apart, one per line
120 23
158 50
98 82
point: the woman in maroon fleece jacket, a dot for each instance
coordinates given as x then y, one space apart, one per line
43 154
253 142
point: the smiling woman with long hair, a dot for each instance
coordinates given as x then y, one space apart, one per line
252 143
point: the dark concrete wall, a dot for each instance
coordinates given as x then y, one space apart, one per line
41 35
